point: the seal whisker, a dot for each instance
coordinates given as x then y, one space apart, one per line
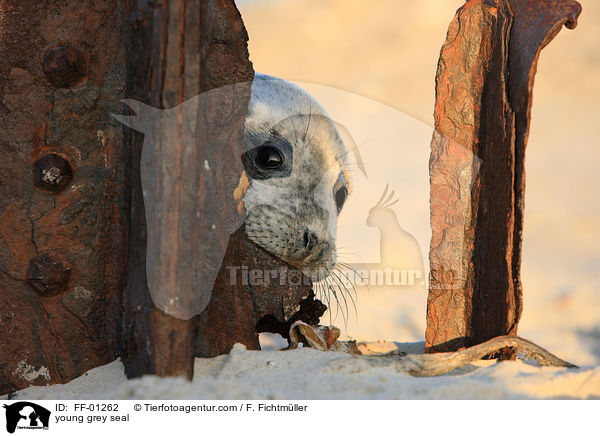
336 270
332 292
348 267
355 147
325 295
307 125
340 286
251 217
338 303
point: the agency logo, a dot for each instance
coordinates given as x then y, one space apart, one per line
305 194
24 415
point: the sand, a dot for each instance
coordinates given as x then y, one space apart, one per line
309 374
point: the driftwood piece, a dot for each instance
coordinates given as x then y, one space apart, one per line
63 217
427 365
320 337
324 338
484 86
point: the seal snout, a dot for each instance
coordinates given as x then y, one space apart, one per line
309 246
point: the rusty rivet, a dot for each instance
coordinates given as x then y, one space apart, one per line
47 275
65 66
52 173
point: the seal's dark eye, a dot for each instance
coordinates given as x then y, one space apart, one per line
340 197
269 158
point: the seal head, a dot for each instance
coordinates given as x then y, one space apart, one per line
295 178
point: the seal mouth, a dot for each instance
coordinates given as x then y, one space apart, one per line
316 270
317 274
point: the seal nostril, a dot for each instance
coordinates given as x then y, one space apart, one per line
309 239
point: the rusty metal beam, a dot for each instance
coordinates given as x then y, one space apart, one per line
240 309
189 47
484 90
63 216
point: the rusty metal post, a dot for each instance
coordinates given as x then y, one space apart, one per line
187 47
484 89
63 217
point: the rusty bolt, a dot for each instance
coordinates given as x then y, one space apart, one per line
47 275
52 173
65 66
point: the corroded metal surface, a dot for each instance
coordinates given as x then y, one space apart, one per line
47 275
483 101
65 66
62 197
194 46
52 173
240 308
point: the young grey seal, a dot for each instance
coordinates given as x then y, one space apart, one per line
295 179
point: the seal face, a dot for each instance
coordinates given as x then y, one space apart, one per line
296 168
